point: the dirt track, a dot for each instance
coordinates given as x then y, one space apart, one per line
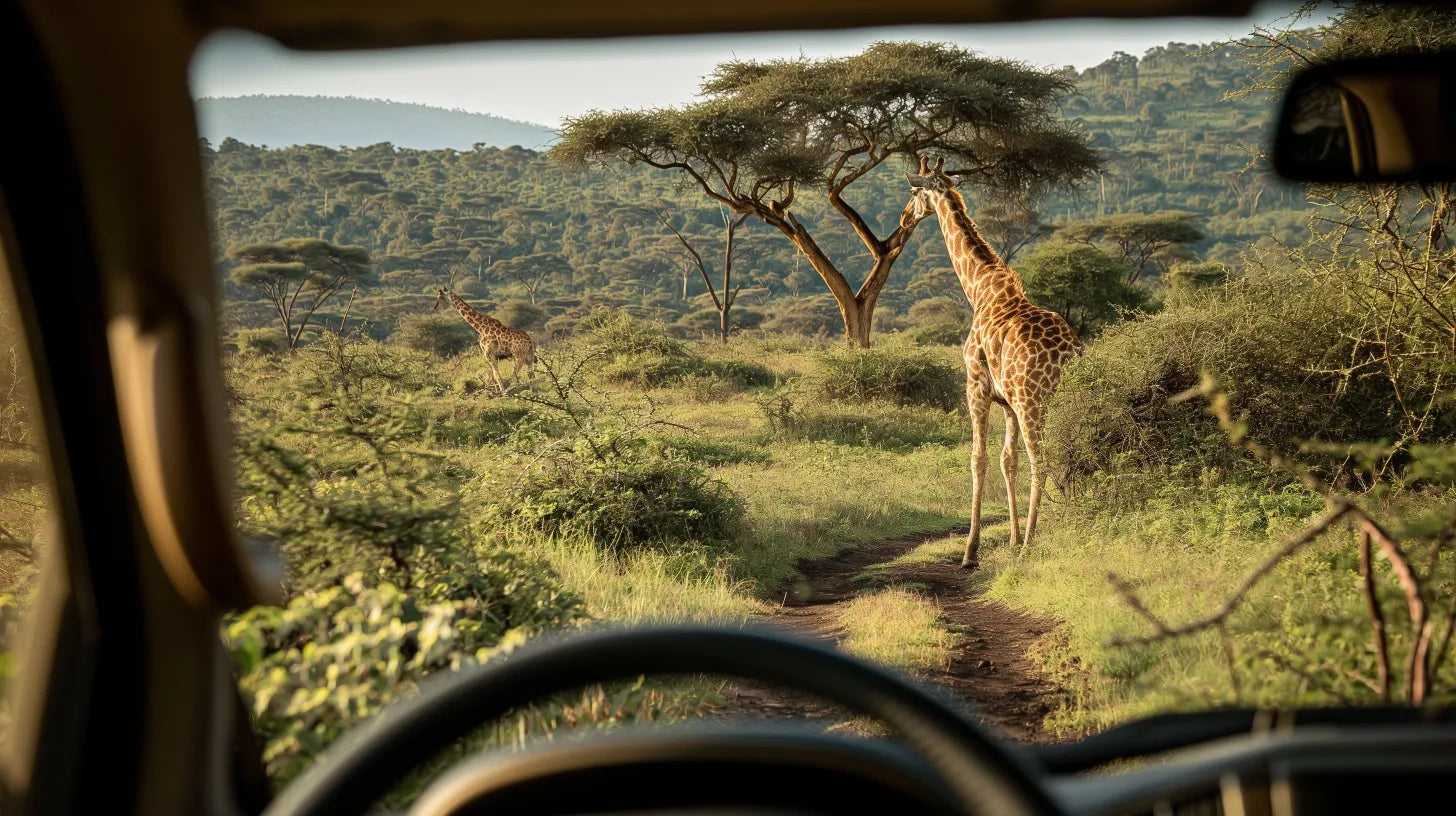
988 668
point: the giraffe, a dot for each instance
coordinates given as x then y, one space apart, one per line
497 340
1014 354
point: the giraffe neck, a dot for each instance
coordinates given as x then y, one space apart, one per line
477 321
983 275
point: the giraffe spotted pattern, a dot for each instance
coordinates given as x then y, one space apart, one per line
1014 354
497 340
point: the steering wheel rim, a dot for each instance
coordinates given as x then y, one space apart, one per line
369 761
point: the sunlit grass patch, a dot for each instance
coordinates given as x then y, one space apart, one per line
815 498
649 586
897 627
1185 553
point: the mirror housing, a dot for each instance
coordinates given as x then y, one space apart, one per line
1375 119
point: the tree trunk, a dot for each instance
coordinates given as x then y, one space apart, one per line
723 324
857 309
347 307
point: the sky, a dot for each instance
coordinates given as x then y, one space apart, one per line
546 81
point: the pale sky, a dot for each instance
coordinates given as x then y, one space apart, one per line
545 81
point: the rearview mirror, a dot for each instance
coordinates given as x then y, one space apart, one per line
1383 119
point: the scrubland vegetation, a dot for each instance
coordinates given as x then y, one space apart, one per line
429 525
650 472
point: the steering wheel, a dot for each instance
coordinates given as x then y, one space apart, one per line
981 776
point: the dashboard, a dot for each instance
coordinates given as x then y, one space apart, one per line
764 770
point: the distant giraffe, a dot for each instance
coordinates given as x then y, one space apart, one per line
1014 354
497 340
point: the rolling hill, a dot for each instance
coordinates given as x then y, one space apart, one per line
281 121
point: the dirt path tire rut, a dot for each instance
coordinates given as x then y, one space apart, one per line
988 667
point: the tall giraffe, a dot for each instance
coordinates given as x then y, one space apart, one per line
497 340
1014 354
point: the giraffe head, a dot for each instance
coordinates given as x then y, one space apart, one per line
926 185
441 298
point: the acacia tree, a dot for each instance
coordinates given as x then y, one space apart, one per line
1139 241
723 296
1081 283
763 132
298 275
531 271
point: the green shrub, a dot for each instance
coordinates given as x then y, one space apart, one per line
940 334
645 355
897 374
332 512
941 309
339 364
616 333
473 427
704 323
438 334
1083 284
627 502
812 316
649 369
259 341
1274 344
334 656
520 314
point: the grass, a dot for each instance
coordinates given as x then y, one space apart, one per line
1185 550
816 497
649 586
897 627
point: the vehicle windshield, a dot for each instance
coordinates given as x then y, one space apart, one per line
758 328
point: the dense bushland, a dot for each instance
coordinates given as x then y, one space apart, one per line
1276 342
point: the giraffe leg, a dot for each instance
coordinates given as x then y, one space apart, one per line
516 362
1032 432
1008 472
979 407
495 373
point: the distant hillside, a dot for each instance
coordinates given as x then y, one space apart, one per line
280 121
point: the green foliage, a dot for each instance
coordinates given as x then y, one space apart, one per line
519 314
258 341
812 316
939 321
618 334
1196 275
1081 283
897 374
627 502
602 477
298 275
1266 340
436 334
636 352
1136 240
335 656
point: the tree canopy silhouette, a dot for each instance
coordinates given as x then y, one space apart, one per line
298 275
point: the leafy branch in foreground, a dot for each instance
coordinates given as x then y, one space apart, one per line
1370 531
